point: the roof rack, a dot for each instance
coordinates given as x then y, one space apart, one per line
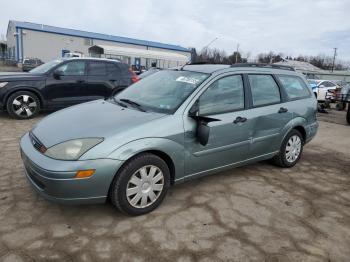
273 66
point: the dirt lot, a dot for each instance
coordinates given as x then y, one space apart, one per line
254 213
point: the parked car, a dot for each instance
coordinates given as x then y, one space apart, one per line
149 72
321 87
61 83
172 126
30 63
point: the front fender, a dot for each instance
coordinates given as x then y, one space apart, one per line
169 147
23 87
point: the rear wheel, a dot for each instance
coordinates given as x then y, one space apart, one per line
291 149
23 105
141 185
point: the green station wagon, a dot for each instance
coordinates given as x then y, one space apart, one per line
170 127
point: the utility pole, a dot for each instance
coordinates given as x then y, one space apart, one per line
335 54
237 53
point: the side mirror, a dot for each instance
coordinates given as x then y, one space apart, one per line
202 129
57 74
202 133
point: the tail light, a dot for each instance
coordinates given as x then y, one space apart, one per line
134 77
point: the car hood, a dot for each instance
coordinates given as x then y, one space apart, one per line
93 119
19 76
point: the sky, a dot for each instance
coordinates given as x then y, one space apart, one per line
293 27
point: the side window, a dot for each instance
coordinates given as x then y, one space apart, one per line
224 95
294 86
97 69
74 68
331 84
112 69
264 90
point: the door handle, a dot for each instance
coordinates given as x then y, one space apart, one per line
239 119
80 81
283 110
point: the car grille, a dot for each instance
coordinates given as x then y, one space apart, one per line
36 143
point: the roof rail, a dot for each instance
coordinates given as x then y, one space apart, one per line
273 66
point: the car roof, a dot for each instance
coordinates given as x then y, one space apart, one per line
90 59
214 68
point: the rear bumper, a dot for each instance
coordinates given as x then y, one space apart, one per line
55 179
311 131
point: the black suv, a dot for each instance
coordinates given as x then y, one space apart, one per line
62 83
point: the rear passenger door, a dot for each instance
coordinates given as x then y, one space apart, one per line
268 114
119 75
97 84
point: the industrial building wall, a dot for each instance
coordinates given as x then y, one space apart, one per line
11 41
48 46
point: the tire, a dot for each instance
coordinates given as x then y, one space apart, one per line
139 201
348 114
340 106
282 159
23 105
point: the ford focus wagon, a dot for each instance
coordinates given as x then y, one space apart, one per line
170 127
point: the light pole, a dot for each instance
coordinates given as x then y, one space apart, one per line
237 53
212 41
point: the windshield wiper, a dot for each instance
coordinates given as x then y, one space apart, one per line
135 104
118 102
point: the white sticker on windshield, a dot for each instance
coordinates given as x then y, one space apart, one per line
188 80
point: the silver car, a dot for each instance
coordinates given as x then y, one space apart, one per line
170 127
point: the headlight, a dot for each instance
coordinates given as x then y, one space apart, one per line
72 149
2 84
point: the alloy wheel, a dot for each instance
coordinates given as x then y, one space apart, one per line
145 186
24 106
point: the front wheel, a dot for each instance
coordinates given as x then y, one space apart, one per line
291 149
141 185
23 105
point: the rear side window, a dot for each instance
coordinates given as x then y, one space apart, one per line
264 89
224 95
113 69
294 86
97 69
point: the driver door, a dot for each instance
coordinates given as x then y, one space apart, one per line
229 140
65 90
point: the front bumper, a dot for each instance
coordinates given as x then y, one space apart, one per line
55 179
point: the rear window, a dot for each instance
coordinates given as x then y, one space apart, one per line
97 69
294 86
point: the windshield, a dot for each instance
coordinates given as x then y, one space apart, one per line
163 91
42 69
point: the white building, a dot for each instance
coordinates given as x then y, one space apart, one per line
45 42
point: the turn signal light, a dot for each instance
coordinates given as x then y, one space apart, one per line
85 173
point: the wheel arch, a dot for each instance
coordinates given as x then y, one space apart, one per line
170 151
302 131
164 156
24 88
297 123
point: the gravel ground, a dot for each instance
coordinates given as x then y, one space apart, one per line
253 213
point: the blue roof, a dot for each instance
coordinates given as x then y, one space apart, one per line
79 33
